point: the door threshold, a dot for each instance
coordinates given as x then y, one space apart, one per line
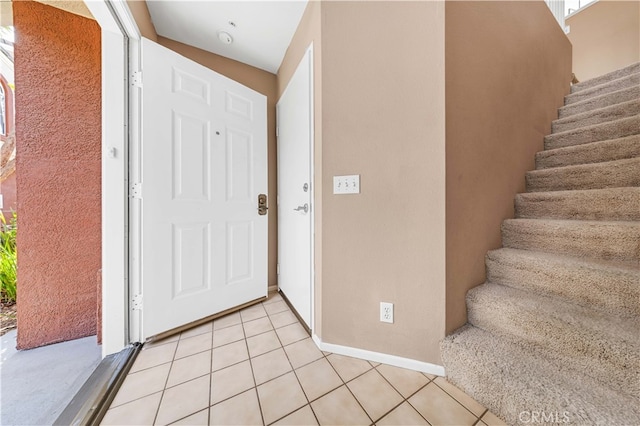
93 399
201 321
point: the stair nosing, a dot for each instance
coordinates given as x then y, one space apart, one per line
585 222
630 66
608 83
612 265
595 98
582 128
551 170
574 311
586 114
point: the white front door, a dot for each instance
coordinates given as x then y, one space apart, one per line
204 164
295 189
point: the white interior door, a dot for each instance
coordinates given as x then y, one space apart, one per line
204 163
295 189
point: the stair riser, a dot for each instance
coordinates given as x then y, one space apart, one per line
613 290
612 86
617 241
615 112
608 99
599 132
608 204
604 359
613 174
596 152
508 383
615 75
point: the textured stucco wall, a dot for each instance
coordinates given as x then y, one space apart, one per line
58 130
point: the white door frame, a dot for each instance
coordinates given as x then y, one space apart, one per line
312 195
120 129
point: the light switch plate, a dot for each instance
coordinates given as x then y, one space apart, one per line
346 184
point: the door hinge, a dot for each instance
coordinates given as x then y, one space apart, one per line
136 190
136 302
136 78
277 269
277 131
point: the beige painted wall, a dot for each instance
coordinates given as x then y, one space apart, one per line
508 65
6 14
309 31
383 118
72 6
605 37
141 15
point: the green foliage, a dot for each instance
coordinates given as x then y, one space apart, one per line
8 259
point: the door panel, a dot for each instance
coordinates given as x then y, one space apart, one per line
204 162
294 172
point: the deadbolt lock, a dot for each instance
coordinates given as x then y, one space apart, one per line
262 204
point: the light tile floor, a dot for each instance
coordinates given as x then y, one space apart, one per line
259 367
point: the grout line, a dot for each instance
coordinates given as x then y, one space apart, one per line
166 381
210 377
394 388
454 398
354 397
347 387
414 408
188 415
294 375
253 374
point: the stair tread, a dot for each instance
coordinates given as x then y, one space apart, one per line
555 194
614 129
607 174
608 286
609 240
590 153
612 265
583 204
605 87
605 346
613 75
553 309
600 101
508 378
589 165
597 116
577 223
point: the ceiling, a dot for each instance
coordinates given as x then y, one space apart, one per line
261 30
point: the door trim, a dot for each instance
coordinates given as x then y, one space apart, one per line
118 30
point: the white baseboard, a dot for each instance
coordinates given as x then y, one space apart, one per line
394 360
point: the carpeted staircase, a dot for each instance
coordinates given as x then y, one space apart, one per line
553 336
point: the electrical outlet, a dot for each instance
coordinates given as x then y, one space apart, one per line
386 312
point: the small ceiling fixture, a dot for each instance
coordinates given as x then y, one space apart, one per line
233 24
225 37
